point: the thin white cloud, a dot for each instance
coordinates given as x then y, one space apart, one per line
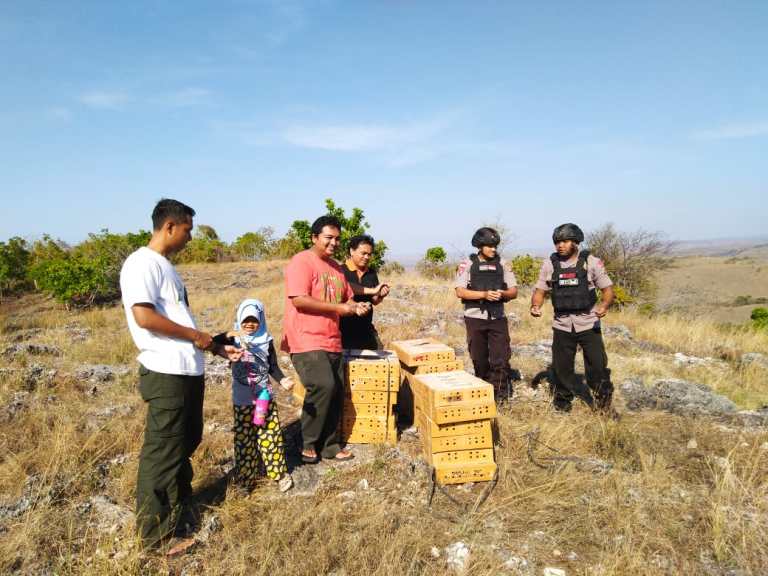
105 100
359 137
734 131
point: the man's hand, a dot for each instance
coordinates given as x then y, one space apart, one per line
348 308
493 295
203 340
601 310
287 383
535 311
362 308
383 290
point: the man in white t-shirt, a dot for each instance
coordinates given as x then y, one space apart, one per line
171 378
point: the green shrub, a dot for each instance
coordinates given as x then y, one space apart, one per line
435 255
526 269
759 318
75 280
441 270
14 264
205 246
87 274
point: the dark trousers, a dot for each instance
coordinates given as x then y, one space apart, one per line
322 374
598 375
488 343
173 430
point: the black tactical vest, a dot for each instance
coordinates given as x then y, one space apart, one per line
484 275
570 286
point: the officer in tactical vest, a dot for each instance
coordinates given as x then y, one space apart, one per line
572 277
484 283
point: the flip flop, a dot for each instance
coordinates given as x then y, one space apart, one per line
310 459
342 456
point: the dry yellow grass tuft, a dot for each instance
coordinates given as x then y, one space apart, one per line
650 493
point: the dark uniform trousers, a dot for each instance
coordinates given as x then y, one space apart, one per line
322 374
488 343
595 364
173 430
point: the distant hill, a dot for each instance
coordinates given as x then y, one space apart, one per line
756 247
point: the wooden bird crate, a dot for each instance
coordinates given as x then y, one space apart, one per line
367 410
371 397
446 366
372 363
365 437
433 430
462 412
422 351
462 473
463 457
367 424
452 388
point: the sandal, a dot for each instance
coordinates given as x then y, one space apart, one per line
342 456
309 458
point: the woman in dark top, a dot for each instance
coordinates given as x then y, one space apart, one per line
358 332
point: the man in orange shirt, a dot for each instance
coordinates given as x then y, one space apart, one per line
317 295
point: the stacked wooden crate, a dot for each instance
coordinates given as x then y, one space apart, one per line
453 411
371 382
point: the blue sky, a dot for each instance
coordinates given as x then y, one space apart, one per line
434 117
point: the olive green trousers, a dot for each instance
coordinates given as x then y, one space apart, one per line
173 430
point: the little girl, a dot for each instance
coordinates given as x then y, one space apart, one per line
257 428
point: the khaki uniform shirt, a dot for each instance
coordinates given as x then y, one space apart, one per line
493 310
597 277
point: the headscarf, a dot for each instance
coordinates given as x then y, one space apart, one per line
258 342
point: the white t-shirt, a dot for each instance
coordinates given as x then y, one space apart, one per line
148 277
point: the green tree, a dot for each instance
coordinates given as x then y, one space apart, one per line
206 232
352 225
87 274
14 264
255 245
436 255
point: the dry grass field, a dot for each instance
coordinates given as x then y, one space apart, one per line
648 493
711 285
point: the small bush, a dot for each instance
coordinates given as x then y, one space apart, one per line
759 318
435 255
441 270
392 269
526 269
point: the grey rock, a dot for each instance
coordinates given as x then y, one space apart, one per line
31 349
685 360
105 515
100 373
456 556
305 480
754 359
211 524
216 369
676 396
17 404
619 331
